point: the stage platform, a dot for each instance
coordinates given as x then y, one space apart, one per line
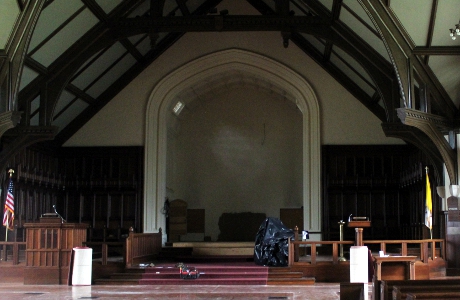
217 248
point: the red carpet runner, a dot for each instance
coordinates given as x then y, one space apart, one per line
209 274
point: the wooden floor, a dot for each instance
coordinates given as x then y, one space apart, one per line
319 291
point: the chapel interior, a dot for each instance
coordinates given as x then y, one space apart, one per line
197 120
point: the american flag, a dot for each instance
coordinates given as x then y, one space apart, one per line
8 214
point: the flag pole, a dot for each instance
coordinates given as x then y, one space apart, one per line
6 227
11 171
428 195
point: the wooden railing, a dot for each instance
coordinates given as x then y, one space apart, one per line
427 248
15 247
141 247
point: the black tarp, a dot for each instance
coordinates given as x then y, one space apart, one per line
271 245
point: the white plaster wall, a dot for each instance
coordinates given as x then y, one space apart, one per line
344 120
240 151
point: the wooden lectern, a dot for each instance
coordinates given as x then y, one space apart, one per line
49 245
358 223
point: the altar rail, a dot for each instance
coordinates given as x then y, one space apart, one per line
141 247
427 248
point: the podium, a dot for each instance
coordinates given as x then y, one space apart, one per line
49 245
358 225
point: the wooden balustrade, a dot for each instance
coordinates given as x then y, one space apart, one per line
427 248
141 247
15 248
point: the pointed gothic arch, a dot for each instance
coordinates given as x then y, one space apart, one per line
164 95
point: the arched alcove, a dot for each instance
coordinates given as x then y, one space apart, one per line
164 96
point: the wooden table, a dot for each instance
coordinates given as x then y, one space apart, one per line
408 260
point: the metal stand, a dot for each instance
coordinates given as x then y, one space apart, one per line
341 258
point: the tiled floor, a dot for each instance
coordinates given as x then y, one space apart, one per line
319 291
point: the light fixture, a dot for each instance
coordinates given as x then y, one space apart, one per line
455 31
455 190
441 190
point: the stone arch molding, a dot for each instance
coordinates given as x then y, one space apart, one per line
164 96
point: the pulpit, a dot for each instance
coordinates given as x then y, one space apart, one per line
358 223
49 245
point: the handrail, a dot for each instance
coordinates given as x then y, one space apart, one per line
15 246
142 246
293 256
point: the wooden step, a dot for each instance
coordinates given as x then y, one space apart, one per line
209 274
291 281
115 281
285 275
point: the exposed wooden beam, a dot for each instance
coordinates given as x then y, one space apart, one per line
336 7
132 49
132 26
115 88
80 94
437 50
434 8
355 47
126 78
344 80
183 7
96 9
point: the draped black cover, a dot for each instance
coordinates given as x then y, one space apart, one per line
271 244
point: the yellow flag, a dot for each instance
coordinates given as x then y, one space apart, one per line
429 204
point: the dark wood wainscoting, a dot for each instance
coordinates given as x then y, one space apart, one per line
385 183
99 186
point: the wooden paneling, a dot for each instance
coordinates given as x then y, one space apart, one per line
100 186
292 217
195 220
383 183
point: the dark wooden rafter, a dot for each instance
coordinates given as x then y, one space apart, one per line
35 65
156 8
63 68
124 80
376 66
132 49
31 52
437 50
371 59
211 23
80 94
434 8
116 87
96 10
183 7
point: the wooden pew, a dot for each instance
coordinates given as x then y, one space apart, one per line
351 290
433 295
386 286
400 292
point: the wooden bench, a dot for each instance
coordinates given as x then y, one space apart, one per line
351 290
386 286
400 292
433 295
